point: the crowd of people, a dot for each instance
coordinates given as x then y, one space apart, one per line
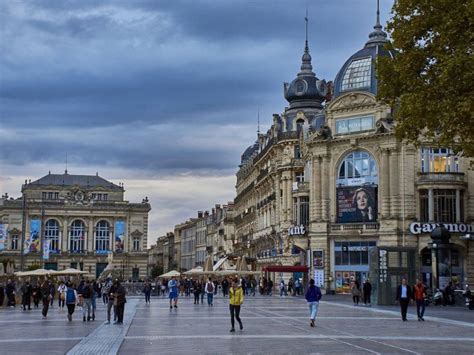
69 295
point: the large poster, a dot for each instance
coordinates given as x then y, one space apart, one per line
356 204
3 236
32 241
46 249
119 233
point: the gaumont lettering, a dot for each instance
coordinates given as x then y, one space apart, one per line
419 228
297 230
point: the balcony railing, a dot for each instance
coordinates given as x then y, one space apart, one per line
340 227
441 178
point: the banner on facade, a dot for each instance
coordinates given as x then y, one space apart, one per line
32 240
119 236
3 236
318 259
46 249
356 204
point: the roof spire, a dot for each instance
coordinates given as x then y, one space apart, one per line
306 66
65 171
377 36
258 121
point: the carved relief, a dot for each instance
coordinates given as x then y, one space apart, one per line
352 101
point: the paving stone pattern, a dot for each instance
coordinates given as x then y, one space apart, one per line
272 325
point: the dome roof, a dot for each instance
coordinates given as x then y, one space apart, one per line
358 72
306 90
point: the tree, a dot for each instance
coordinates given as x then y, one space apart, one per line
430 81
156 271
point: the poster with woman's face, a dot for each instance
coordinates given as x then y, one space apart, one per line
356 204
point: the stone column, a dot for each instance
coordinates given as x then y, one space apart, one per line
290 197
394 184
277 206
458 206
384 173
284 198
325 189
430 205
315 189
65 236
89 240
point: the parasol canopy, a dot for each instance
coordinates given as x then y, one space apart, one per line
172 273
37 272
70 271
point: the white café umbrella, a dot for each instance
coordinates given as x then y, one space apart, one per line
71 271
172 273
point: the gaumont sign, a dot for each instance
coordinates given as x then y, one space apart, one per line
297 230
418 228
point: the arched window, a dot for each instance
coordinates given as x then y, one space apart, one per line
299 124
102 237
357 165
76 237
51 233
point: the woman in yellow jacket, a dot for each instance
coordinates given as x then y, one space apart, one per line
236 298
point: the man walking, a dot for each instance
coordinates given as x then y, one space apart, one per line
313 295
420 294
404 295
111 289
209 289
120 300
147 291
367 290
87 296
236 298
26 291
10 291
46 296
173 295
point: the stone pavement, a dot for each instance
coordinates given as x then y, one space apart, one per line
272 325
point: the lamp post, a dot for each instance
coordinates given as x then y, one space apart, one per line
440 257
23 231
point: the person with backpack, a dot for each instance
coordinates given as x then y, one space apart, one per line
313 295
209 289
71 299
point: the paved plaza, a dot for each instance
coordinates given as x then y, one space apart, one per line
272 325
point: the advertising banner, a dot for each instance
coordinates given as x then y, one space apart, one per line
32 240
3 236
318 261
356 204
119 234
46 247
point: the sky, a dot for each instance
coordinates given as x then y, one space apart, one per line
160 95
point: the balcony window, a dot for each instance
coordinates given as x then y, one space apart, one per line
76 237
439 160
51 233
14 242
301 210
136 245
441 205
102 237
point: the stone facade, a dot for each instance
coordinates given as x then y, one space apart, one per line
83 218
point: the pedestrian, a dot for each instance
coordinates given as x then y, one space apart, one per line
62 288
71 300
355 291
313 295
95 293
10 290
367 290
270 287
203 287
197 291
46 296
87 301
120 300
52 291
110 300
253 283
147 291
225 287
36 293
404 295
236 298
243 284
290 286
106 291
297 287
419 291
26 291
173 295
209 289
2 294
283 288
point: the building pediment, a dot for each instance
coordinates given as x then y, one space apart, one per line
136 233
352 101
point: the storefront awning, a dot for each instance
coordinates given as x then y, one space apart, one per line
286 268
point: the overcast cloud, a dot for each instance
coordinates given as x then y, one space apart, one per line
162 95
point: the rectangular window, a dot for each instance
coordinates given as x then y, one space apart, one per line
439 160
444 206
424 206
354 124
136 244
304 211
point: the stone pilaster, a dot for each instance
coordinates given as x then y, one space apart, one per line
325 189
394 184
384 173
